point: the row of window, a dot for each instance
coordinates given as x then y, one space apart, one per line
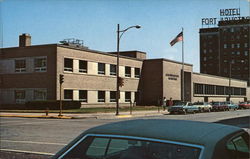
218 90
40 65
235 29
20 95
235 45
101 97
83 68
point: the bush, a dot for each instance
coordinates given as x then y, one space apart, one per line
52 105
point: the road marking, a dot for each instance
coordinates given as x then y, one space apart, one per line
33 152
34 142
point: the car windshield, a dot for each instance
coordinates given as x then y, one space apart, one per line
123 148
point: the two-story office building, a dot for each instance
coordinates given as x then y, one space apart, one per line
32 72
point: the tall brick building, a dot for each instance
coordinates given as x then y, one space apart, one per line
225 44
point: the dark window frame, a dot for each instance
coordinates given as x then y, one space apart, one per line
68 64
83 66
101 68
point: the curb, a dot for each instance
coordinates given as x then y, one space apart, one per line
38 116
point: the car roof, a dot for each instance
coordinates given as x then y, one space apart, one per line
193 132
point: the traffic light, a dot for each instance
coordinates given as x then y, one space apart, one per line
61 78
120 81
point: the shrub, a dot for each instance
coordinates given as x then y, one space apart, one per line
52 105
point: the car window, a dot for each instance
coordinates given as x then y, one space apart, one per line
97 147
123 148
239 147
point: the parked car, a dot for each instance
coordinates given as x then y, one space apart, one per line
183 107
231 105
158 139
244 105
219 106
203 106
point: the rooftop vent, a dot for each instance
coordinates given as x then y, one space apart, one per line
73 42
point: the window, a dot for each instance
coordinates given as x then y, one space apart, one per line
83 66
238 53
245 53
101 96
83 94
210 50
225 46
198 88
239 147
20 96
112 69
112 96
113 147
232 30
204 51
137 72
238 45
40 64
209 89
40 94
243 91
220 90
127 71
101 68
245 45
236 91
232 45
68 94
127 96
68 65
20 65
205 58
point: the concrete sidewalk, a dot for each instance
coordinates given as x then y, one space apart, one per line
85 115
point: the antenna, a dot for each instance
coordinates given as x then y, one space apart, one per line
73 42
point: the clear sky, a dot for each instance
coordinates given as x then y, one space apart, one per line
95 22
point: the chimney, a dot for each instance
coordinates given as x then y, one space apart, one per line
24 40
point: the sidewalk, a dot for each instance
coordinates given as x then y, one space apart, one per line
85 115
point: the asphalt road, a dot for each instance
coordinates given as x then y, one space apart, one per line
41 138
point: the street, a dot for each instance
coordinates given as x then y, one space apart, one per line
41 138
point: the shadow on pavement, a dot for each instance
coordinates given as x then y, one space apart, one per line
243 122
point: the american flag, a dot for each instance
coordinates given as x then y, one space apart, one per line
178 38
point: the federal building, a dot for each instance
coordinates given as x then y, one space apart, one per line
31 73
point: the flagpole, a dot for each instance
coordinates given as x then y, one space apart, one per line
182 66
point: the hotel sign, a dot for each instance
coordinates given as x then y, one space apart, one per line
225 15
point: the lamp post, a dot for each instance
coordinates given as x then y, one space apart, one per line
117 66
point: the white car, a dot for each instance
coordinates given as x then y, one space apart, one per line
203 106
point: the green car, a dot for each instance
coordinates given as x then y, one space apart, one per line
159 139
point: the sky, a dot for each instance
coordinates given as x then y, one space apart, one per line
95 22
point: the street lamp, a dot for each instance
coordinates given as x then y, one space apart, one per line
117 66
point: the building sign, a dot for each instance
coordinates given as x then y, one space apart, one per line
225 15
172 76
